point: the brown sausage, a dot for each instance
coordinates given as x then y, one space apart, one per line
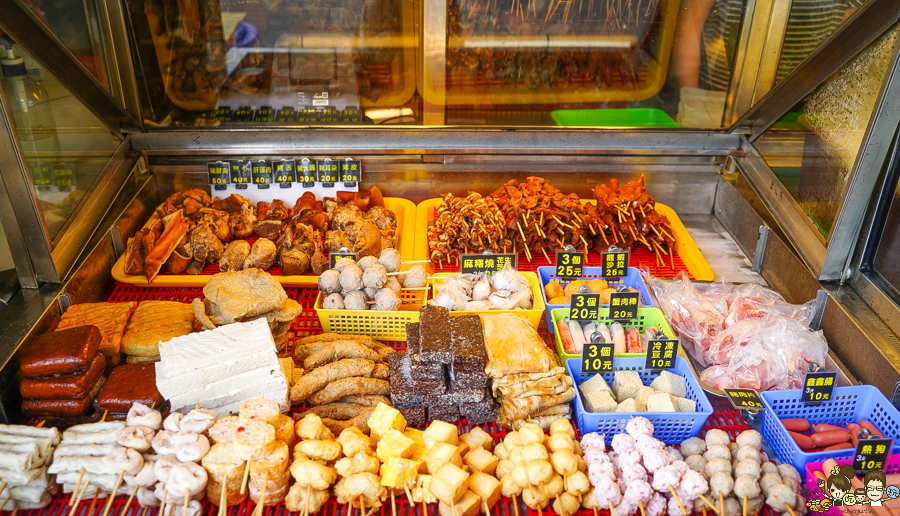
796 424
825 427
347 387
823 439
63 386
318 378
803 441
867 424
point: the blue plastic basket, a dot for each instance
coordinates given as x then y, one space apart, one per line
669 427
847 405
631 280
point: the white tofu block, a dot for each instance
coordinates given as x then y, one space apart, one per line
684 404
660 402
643 394
595 383
669 383
629 405
209 348
626 385
263 379
599 402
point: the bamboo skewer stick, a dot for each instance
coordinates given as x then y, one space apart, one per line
641 505
721 503
223 496
244 480
90 510
262 496
113 495
80 494
187 500
681 505
77 485
5 502
41 423
744 510
710 504
789 509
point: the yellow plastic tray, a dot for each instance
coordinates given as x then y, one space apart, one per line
652 78
534 316
406 227
378 324
684 244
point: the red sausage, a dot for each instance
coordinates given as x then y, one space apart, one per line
796 424
853 428
803 441
828 438
840 446
867 424
825 427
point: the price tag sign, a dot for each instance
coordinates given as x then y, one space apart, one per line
330 115
475 263
264 114
661 354
307 173
308 114
240 174
262 174
64 176
597 357
327 172
623 306
744 399
243 114
286 114
351 172
285 172
585 307
350 114
41 174
218 174
872 453
569 265
615 265
223 114
817 387
334 257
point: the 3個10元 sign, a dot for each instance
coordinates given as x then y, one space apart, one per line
872 453
818 386
597 357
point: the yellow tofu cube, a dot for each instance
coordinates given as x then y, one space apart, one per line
422 492
440 431
398 472
478 437
486 487
418 454
480 459
440 454
416 435
468 505
394 444
384 419
449 484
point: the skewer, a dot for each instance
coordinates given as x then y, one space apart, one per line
681 505
113 495
77 485
362 506
41 423
545 255
162 501
223 495
144 512
78 500
187 500
789 509
415 261
611 511
308 496
641 505
409 496
603 234
244 480
15 509
425 508
104 415
394 504
262 496
484 507
544 490
90 510
744 510
721 503
710 504
703 509
5 502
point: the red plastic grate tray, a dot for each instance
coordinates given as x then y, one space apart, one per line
640 257
124 292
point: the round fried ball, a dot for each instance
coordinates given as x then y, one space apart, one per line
375 276
330 281
365 261
387 299
415 277
352 278
356 300
394 284
342 263
333 302
390 259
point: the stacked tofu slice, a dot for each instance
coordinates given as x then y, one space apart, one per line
222 368
666 393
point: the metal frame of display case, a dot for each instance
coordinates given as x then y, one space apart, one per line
417 161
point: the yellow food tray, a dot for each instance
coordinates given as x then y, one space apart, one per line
534 315
378 324
406 227
685 247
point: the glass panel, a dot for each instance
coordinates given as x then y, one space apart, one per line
885 261
808 25
65 146
77 25
615 63
812 149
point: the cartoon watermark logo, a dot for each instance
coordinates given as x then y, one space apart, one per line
837 491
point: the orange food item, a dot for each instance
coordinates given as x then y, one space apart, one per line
554 290
597 285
